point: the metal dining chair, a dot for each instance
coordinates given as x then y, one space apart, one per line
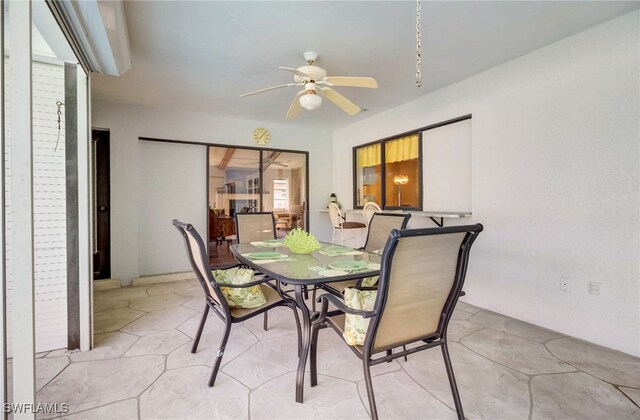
215 300
380 227
252 227
421 279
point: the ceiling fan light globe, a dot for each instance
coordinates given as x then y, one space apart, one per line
310 101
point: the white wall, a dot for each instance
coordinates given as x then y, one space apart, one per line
555 175
173 183
446 171
127 122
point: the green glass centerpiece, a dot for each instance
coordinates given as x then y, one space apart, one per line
301 242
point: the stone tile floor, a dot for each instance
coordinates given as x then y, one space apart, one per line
141 368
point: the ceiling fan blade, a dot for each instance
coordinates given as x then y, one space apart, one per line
296 72
294 109
362 82
342 102
268 89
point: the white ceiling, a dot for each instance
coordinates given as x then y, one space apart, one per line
202 55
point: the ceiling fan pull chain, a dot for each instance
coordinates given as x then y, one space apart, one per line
418 47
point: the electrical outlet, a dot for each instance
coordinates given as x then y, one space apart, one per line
595 288
565 284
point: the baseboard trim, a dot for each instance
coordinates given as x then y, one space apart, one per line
163 278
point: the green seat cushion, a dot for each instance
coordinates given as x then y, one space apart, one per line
245 297
355 326
369 281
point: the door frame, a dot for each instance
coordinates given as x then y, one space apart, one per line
105 134
234 146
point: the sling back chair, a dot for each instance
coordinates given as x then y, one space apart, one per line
252 227
215 300
421 279
255 227
380 227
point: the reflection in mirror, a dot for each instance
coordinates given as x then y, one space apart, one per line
402 172
368 175
284 179
234 187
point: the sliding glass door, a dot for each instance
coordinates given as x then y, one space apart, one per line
247 180
284 177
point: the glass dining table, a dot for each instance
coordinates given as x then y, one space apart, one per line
331 263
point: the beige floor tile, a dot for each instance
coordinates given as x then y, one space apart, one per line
213 325
579 396
461 314
632 393
526 356
100 305
335 358
55 353
169 287
460 328
184 394
104 383
122 293
159 343
264 361
162 320
606 364
487 390
155 303
196 303
240 340
121 410
281 322
106 346
195 291
468 307
513 326
399 397
114 319
331 399
48 368
86 385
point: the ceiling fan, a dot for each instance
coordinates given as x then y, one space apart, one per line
317 85
271 161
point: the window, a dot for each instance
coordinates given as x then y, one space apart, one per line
389 173
280 194
428 167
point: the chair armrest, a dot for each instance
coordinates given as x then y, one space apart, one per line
226 267
242 286
326 298
365 288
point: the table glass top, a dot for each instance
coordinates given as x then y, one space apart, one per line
330 263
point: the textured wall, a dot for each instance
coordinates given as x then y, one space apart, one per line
555 175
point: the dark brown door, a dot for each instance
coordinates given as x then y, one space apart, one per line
101 213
